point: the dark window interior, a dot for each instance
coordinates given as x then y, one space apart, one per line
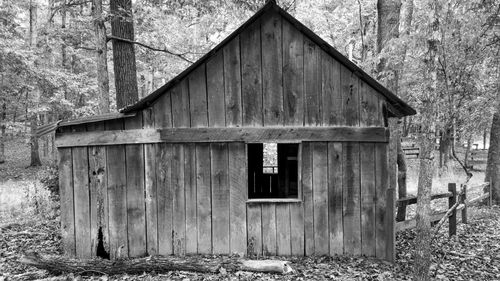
273 170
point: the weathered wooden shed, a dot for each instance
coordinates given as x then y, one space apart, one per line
182 171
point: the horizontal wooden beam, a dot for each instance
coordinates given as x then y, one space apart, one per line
276 134
107 137
197 135
413 199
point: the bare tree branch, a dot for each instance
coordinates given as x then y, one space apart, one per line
164 50
66 5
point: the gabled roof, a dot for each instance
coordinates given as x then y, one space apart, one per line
397 107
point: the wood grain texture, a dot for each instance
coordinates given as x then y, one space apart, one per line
117 200
272 134
293 75
198 97
269 229
369 106
180 105
190 189
307 189
297 229
203 198
164 155
67 202
238 194
109 137
136 213
283 228
272 69
368 178
381 182
82 202
333 111
351 202
251 75
151 197
220 198
335 199
254 227
99 212
179 205
320 198
350 96
312 83
163 111
232 83
215 91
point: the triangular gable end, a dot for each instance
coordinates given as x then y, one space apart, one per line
270 26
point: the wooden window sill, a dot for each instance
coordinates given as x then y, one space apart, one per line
273 200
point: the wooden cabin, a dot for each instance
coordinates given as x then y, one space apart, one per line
183 171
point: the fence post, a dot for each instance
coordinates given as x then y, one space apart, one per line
464 201
452 230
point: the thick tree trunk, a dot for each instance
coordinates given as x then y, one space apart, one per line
101 58
35 156
493 166
158 264
122 26
445 147
401 161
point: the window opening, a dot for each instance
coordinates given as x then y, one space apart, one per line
273 170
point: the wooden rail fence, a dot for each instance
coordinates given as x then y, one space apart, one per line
453 196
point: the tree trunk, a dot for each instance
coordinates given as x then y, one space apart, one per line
158 264
493 167
35 156
401 161
123 53
33 9
3 119
445 143
467 151
101 58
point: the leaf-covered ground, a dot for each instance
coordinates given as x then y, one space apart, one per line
473 254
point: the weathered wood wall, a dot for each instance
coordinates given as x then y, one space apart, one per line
183 198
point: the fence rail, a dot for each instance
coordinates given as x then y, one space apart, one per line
453 197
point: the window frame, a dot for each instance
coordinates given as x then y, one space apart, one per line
299 197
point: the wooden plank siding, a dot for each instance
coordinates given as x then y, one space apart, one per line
181 187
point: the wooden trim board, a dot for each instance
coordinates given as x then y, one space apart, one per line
242 134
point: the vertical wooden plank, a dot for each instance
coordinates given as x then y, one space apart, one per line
369 106
215 91
351 202
297 229
333 113
134 122
381 183
190 189
180 105
367 172
165 197
251 75
198 97
307 189
98 199
272 67
238 194
162 109
220 198
293 75
117 201
283 243
203 199
350 96
232 82
151 194
335 217
254 227
136 215
268 229
67 202
320 198
312 83
179 204
390 252
150 186
82 202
